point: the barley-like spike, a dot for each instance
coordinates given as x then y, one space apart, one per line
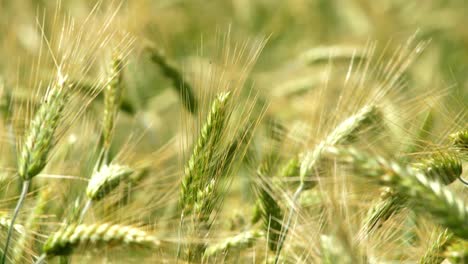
271 212
460 140
65 240
426 195
238 242
112 94
5 223
171 71
202 152
390 204
39 138
337 53
442 167
344 133
106 179
434 254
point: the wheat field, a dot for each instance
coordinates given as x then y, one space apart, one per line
233 131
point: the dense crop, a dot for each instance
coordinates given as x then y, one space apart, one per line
317 131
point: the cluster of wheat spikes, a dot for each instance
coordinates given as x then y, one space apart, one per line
121 143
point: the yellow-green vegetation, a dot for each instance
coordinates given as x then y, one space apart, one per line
233 131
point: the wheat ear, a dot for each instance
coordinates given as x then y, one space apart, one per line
344 133
112 95
270 211
238 242
39 141
426 195
460 140
171 71
65 240
442 167
102 182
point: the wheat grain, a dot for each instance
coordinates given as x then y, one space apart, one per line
460 140
65 240
106 179
238 242
345 132
112 95
434 254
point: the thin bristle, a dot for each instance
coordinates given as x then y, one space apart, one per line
434 253
241 241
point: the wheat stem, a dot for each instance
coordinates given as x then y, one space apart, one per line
19 204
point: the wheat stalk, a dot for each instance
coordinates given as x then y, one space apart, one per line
106 179
112 95
202 153
270 211
460 140
345 132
